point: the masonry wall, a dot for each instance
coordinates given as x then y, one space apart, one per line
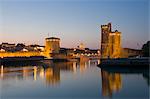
20 54
110 42
115 45
125 53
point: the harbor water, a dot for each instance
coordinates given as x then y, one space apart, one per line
71 80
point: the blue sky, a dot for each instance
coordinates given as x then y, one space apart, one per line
73 21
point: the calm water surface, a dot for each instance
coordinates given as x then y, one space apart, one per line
71 80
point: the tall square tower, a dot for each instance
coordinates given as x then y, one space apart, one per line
110 42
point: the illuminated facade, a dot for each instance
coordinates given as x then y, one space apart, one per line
20 54
52 46
110 42
81 46
51 50
128 52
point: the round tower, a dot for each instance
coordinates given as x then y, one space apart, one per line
52 46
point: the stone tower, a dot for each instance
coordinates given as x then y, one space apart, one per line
110 42
52 46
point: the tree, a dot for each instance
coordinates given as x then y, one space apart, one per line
145 49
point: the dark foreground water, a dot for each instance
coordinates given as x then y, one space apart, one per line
71 80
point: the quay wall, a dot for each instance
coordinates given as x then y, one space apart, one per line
20 54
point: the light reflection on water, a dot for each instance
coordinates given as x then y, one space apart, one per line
70 80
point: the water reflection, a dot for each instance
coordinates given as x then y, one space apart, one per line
112 79
111 82
50 72
83 77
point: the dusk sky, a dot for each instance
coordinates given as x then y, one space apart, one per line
73 21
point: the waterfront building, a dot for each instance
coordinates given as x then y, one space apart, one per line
87 53
81 46
40 48
110 42
2 50
51 50
128 52
7 45
52 46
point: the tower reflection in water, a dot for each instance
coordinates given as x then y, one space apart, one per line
111 82
50 73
